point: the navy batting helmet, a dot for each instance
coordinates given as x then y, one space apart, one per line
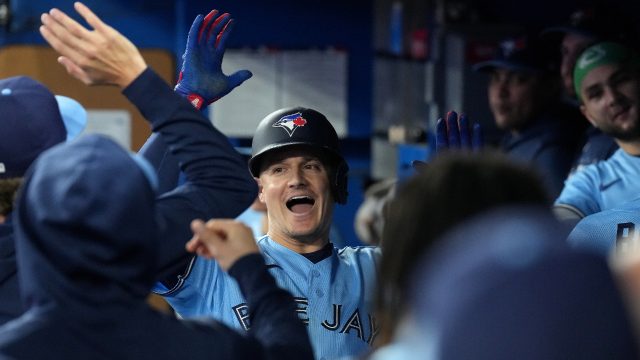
300 126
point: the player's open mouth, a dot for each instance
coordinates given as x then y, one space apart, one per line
300 204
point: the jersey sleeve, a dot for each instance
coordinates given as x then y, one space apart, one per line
580 192
218 183
156 151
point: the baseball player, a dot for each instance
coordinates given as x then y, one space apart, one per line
524 98
301 174
586 26
607 83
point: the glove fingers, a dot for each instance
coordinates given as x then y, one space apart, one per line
221 39
441 136
207 20
477 141
218 24
191 38
453 131
465 136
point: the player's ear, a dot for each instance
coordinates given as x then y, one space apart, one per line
587 115
260 194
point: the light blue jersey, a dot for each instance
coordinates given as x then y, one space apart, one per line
335 296
253 219
605 185
610 229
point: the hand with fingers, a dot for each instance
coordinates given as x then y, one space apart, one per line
224 240
457 133
201 78
101 56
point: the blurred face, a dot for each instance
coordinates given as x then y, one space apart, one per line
610 101
512 98
294 186
570 49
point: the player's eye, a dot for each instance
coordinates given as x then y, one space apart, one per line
277 169
313 166
594 94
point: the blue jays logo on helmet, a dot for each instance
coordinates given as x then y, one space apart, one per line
508 47
291 122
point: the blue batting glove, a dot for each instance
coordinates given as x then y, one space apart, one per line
455 133
477 139
201 78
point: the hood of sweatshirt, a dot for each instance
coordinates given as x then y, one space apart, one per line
85 228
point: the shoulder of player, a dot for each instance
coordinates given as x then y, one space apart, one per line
359 252
593 173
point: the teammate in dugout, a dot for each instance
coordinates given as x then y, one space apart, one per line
587 25
31 122
85 271
607 81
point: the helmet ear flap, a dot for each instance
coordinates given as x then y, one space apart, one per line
340 183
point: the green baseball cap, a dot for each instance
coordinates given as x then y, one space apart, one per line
600 54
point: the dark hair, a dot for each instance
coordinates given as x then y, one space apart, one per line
8 190
451 188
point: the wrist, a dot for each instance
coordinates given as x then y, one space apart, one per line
129 76
196 100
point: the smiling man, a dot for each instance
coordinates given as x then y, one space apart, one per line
606 78
524 97
301 174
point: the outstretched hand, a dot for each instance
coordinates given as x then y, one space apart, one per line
457 133
101 56
226 241
201 78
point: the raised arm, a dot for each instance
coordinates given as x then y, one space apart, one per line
218 182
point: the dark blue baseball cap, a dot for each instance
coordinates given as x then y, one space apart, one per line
597 21
521 54
31 123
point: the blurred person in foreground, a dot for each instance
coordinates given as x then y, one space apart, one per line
504 285
453 187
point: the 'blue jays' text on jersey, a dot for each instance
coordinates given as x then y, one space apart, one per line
605 185
335 296
611 229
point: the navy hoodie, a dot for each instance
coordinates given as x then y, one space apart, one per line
10 306
86 229
218 183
